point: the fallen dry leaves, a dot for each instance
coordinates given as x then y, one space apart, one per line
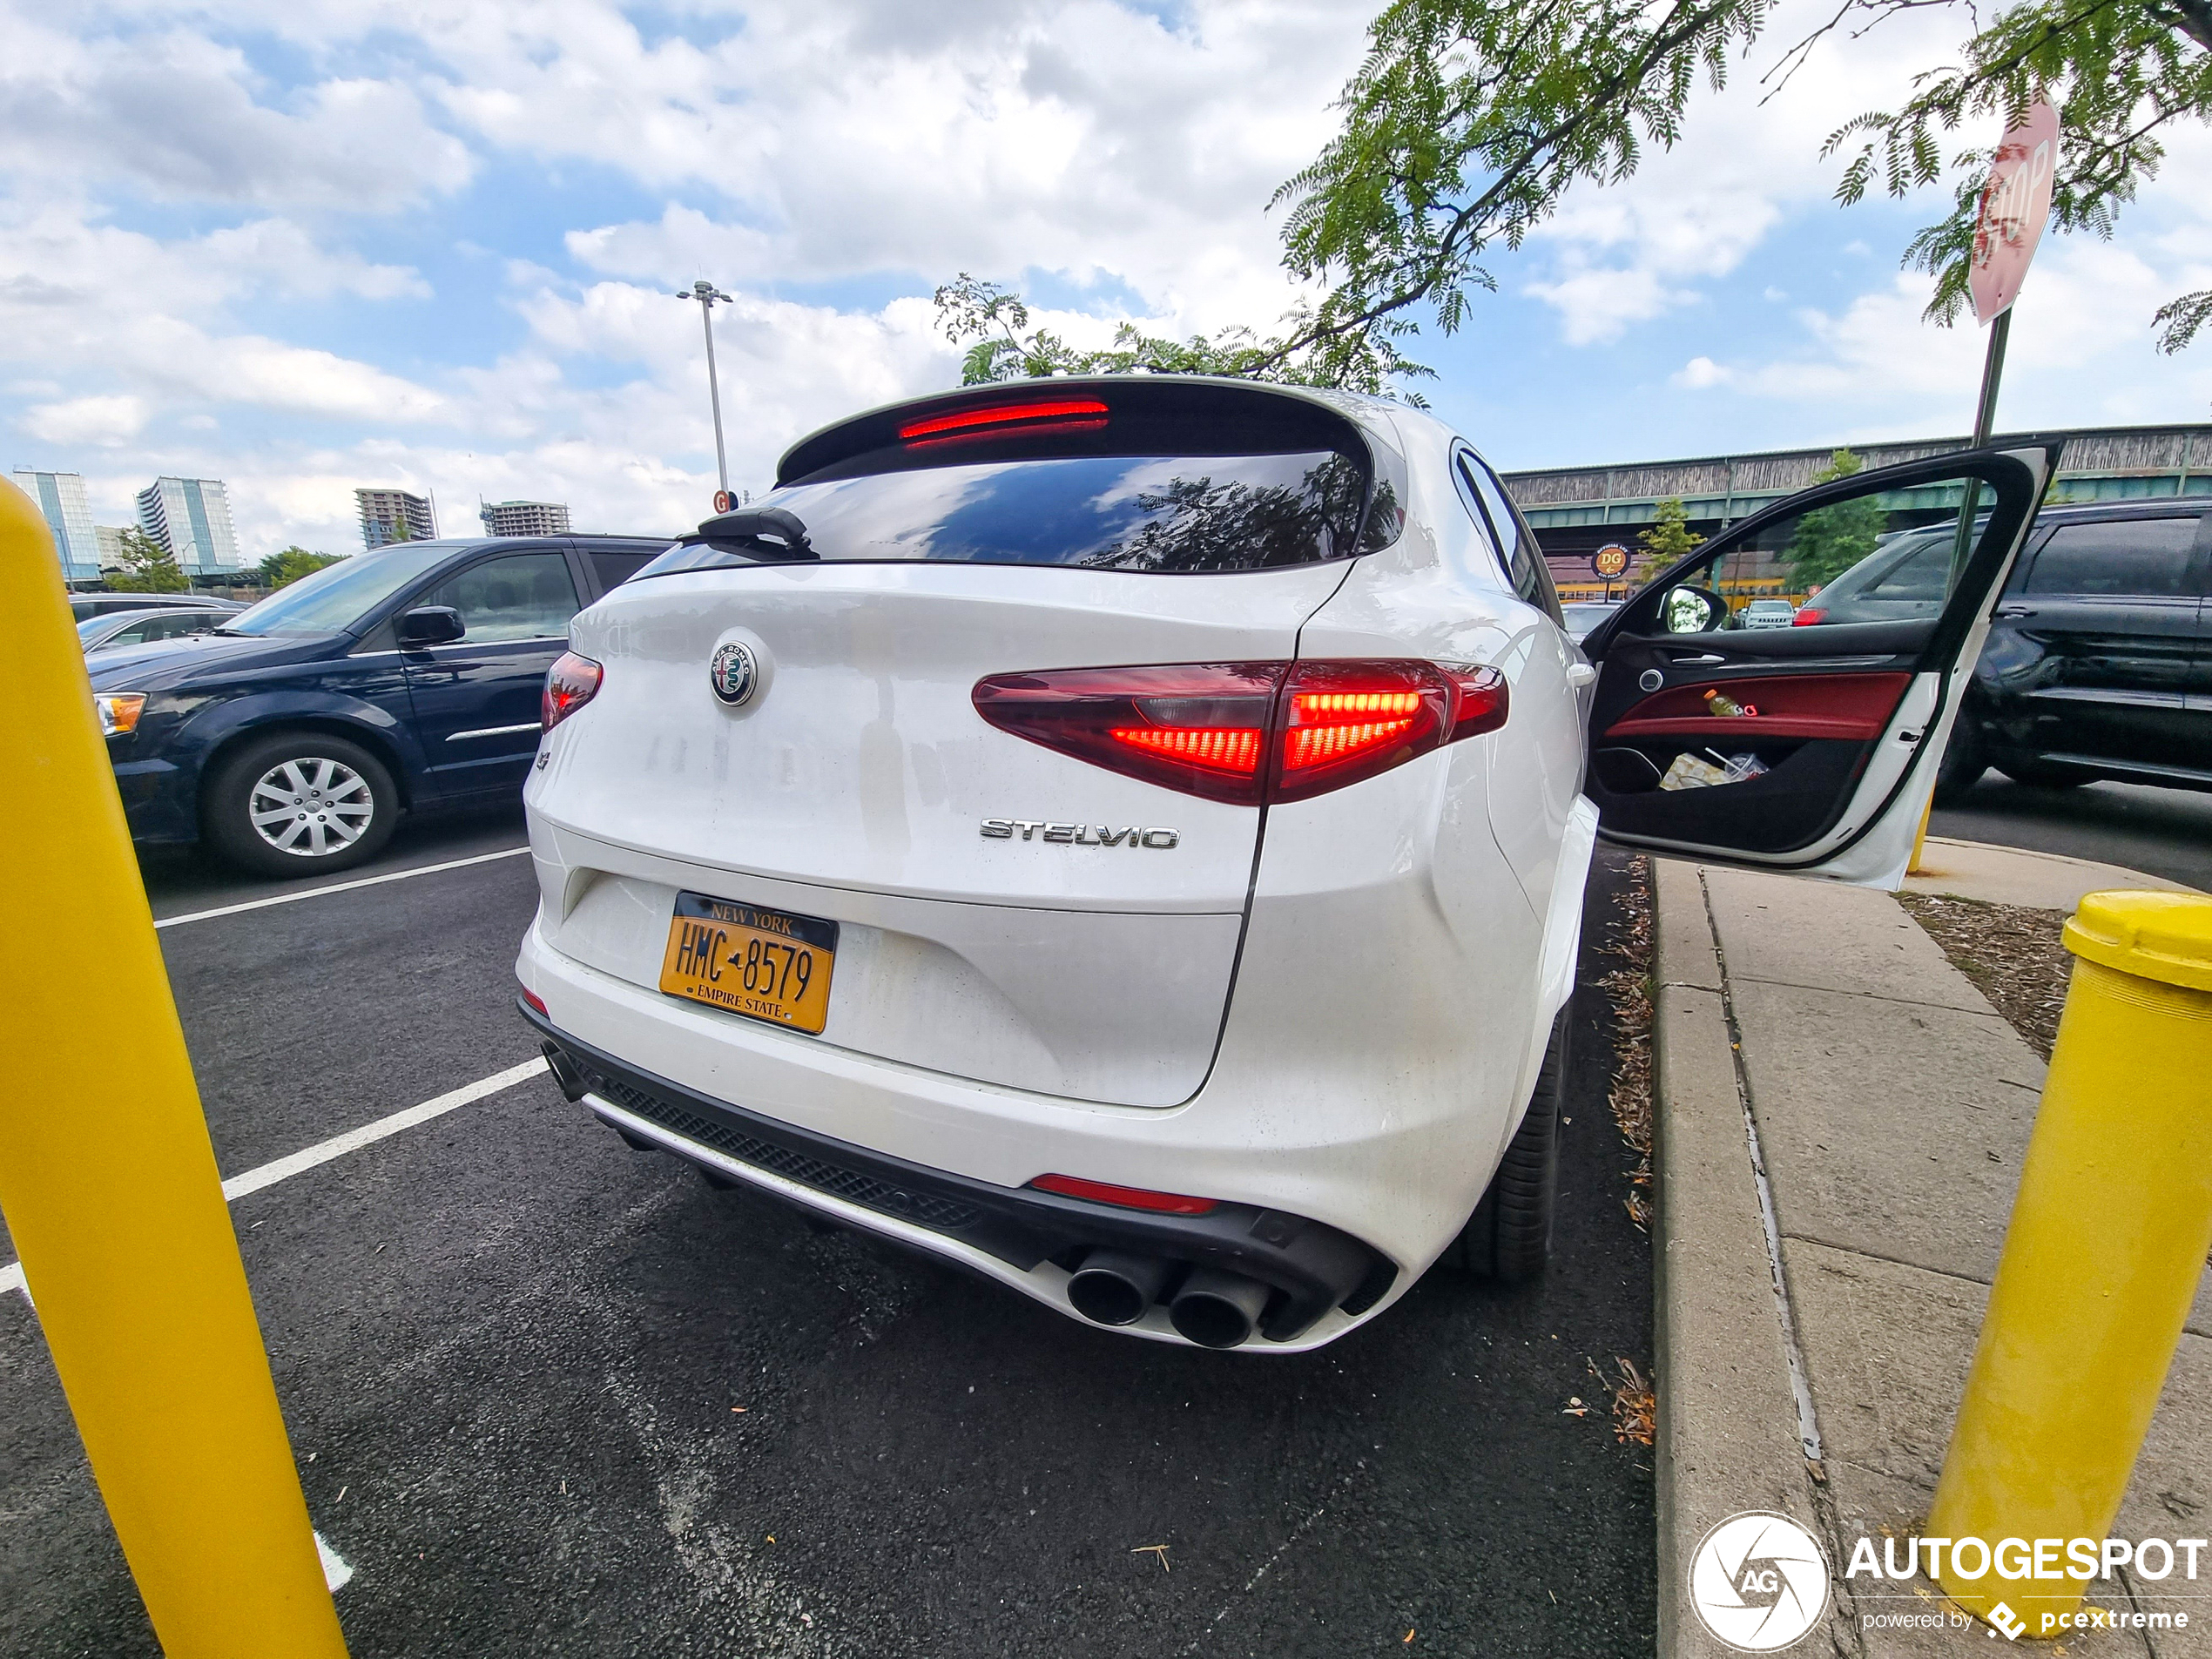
1628 986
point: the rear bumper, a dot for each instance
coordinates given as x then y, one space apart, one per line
1319 1273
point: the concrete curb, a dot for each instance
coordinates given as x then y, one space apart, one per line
2017 875
1726 1411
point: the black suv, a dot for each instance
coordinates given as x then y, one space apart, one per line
293 737
2098 661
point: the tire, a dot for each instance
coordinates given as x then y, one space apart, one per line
362 805
1965 758
1509 1236
2036 775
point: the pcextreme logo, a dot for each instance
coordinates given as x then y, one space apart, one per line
1759 1581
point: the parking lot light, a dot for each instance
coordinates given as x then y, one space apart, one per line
109 1184
2107 1241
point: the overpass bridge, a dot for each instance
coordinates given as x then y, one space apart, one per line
1576 511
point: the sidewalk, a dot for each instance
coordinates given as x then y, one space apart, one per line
1891 1106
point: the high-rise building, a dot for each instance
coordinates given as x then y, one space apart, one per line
110 540
60 496
524 517
383 511
192 518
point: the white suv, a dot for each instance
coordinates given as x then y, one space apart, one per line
1130 835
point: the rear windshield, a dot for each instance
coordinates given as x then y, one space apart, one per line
1167 514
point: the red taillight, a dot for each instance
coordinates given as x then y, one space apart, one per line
1055 413
1806 616
1167 1204
569 684
1198 727
1247 733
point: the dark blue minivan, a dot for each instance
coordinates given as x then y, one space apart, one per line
293 736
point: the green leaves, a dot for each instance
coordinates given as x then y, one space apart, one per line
281 570
1470 120
1465 124
2119 73
1670 540
148 567
995 319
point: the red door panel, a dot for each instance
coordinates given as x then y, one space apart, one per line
1852 707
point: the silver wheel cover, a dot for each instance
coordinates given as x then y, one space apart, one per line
310 807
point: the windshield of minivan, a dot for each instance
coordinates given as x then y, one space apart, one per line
1170 515
334 598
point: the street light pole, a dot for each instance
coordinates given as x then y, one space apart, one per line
707 294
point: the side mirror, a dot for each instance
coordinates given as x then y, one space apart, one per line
1693 611
429 625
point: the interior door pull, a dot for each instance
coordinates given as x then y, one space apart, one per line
1703 657
2014 612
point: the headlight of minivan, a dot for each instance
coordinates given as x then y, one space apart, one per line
119 711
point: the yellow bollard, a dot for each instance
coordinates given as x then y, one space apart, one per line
109 1184
1920 838
2108 1242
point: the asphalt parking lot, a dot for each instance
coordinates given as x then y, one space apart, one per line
513 1356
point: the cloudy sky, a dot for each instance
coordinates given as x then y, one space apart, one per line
308 245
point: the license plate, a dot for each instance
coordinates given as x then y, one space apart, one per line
763 964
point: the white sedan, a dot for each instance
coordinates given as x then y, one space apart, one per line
1129 835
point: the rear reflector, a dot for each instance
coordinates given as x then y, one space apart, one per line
1248 733
537 1002
1166 1203
1059 413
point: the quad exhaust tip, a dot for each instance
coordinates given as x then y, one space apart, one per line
1211 1308
1113 1287
1217 1309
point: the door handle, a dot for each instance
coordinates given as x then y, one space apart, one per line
2014 613
1701 656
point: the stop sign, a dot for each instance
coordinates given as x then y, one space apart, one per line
2014 205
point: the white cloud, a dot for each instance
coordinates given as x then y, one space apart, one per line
175 115
107 421
1698 373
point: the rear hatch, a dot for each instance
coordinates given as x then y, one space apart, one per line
788 719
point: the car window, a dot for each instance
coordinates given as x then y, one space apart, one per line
1525 565
2131 555
337 598
1158 514
1470 498
521 595
183 624
616 566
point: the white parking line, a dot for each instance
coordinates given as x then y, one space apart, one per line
337 886
338 1145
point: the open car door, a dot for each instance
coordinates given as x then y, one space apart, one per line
1810 749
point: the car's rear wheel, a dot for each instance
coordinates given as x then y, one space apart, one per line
298 802
1509 1236
1965 758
